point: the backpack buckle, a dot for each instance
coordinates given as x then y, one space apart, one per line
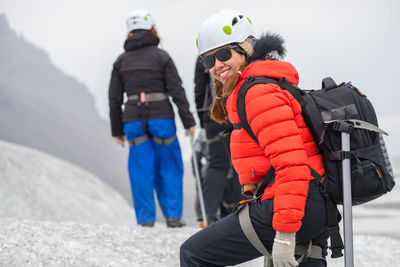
340 155
322 187
251 78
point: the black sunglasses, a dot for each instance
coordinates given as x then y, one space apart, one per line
222 55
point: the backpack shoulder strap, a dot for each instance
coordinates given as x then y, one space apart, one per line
293 90
240 102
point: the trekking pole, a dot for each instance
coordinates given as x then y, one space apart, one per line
268 262
347 204
199 187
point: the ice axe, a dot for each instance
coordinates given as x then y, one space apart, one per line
197 176
347 204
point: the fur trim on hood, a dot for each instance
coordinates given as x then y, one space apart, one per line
269 45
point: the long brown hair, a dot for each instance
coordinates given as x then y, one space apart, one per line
218 110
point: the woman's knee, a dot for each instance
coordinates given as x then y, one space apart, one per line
187 254
184 250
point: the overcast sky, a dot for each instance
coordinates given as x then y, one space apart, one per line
350 40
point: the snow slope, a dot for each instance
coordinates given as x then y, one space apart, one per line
27 243
37 186
380 216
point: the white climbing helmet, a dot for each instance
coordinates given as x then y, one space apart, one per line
224 27
139 19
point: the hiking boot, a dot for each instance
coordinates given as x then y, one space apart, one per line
174 222
151 224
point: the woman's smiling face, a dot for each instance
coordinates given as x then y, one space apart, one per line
221 71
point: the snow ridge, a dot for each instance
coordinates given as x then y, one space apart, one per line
37 186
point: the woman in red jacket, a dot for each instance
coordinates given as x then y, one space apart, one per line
291 210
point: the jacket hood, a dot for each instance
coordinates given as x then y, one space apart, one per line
270 46
266 60
141 38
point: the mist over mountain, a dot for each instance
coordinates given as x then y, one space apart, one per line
44 108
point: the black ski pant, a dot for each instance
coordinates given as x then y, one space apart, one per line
220 180
223 243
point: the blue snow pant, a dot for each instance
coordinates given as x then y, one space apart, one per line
223 243
155 166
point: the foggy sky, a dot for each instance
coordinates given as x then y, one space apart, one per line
349 40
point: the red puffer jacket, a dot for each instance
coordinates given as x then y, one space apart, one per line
285 142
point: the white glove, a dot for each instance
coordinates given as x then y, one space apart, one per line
283 250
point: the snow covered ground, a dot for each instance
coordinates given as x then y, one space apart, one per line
37 186
28 243
381 216
55 214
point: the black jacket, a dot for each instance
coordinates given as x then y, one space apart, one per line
145 67
203 92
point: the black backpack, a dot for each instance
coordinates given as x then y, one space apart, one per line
328 112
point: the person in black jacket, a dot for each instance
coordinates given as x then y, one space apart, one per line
148 77
221 188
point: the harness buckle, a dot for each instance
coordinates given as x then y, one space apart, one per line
142 97
240 205
245 202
